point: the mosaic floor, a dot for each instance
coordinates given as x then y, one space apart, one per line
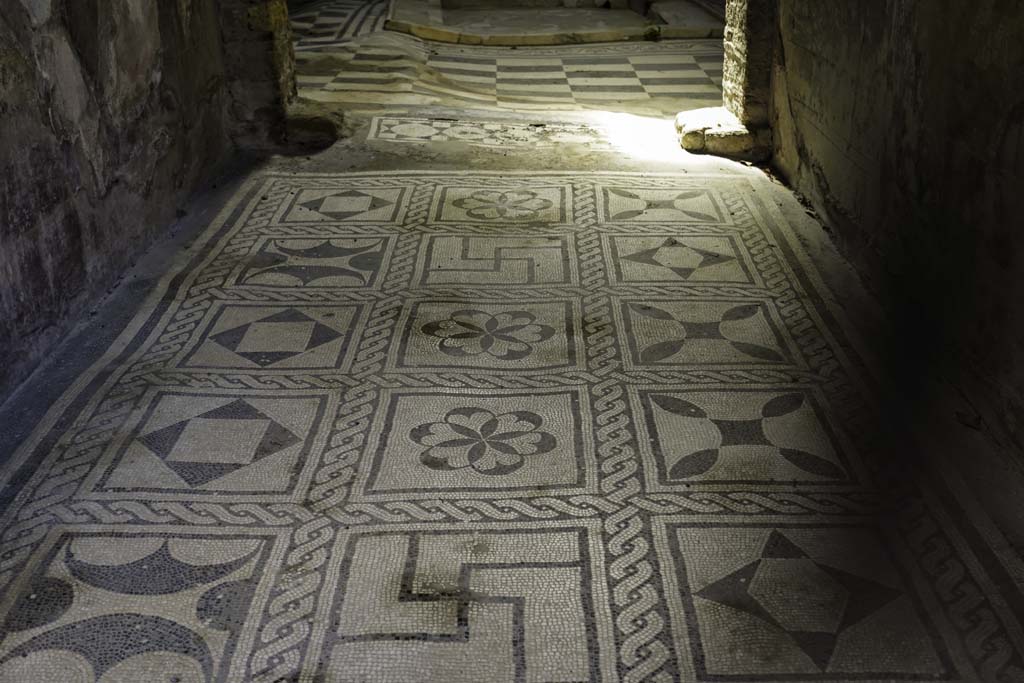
469 426
331 22
390 69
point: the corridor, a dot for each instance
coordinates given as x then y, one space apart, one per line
501 386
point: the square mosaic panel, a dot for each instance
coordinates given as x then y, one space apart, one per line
377 205
508 443
498 261
475 604
671 205
796 602
678 259
122 606
532 335
695 332
197 444
289 263
284 338
541 204
738 436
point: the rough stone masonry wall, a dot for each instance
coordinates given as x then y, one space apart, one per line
903 120
111 113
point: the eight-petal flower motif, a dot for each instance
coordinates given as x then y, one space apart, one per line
477 438
494 204
509 335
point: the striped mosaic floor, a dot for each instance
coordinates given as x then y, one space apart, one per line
390 69
330 22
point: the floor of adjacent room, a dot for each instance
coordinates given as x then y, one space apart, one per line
503 386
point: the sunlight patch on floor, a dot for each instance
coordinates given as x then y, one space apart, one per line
646 138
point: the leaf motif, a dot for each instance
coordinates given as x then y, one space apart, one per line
811 463
623 193
652 311
698 215
435 463
487 428
690 194
678 406
761 352
694 464
782 405
741 312
661 350
529 418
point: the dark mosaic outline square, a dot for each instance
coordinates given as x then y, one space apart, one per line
675 556
381 446
632 353
344 357
742 257
400 208
642 398
195 493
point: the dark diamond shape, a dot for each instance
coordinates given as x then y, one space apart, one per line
199 473
162 441
231 339
818 646
865 597
275 439
742 432
647 256
265 358
731 591
238 409
317 204
778 547
650 257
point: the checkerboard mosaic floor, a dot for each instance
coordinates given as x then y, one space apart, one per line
464 427
393 69
332 22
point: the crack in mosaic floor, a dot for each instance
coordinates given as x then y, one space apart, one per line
476 426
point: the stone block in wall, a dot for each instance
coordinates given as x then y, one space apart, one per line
113 113
258 55
750 33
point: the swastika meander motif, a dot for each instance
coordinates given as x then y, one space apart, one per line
469 426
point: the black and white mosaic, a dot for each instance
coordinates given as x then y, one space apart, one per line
395 69
470 426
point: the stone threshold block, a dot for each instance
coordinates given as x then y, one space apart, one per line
716 130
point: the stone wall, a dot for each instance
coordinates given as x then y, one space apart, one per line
111 113
903 121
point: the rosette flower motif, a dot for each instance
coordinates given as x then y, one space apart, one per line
477 438
509 335
491 205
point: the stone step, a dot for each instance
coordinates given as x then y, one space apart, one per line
569 23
